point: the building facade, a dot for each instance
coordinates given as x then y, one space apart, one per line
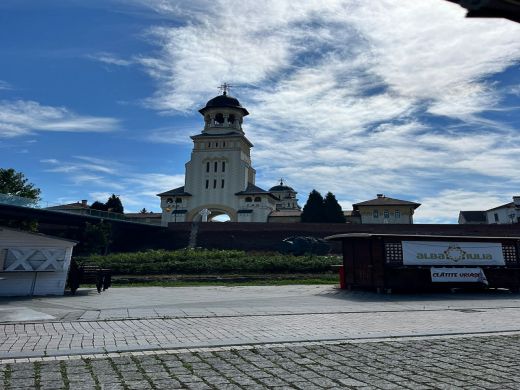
220 178
385 210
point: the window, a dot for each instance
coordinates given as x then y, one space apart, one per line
215 183
207 166
216 144
386 214
249 199
215 166
375 214
209 144
231 118
397 214
178 200
219 118
258 199
207 183
223 166
223 144
496 217
222 184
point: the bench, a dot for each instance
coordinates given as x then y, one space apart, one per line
85 272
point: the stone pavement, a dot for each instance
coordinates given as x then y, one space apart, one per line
453 363
260 337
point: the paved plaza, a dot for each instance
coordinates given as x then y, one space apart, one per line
301 337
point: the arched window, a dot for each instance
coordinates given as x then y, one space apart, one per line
215 166
223 166
258 199
249 199
178 200
231 118
219 118
207 166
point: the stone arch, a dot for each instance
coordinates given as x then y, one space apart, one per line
216 209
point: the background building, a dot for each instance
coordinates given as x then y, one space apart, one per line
386 210
508 213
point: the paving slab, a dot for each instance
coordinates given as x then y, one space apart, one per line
153 302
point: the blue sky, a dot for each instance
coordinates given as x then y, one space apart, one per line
405 98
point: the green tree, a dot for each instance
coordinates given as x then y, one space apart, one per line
332 209
114 204
99 206
313 211
15 189
14 183
96 238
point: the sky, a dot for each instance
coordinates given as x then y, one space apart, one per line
401 97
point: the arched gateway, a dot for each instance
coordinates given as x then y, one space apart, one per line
219 176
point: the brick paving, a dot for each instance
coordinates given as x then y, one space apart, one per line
55 338
452 363
261 338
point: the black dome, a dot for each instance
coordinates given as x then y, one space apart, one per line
223 101
281 188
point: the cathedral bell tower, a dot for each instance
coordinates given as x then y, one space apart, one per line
219 176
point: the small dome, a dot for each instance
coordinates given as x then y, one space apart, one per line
223 101
281 188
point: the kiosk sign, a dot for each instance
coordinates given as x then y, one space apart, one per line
452 253
464 275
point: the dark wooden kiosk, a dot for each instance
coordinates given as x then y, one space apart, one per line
389 262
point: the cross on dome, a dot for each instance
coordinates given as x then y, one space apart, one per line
225 88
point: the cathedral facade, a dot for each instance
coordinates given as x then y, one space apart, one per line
220 178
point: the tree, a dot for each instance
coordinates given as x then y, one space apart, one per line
96 238
99 206
16 184
313 211
332 209
143 211
114 204
16 190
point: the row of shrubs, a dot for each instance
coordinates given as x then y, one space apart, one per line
210 262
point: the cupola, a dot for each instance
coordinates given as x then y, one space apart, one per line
223 114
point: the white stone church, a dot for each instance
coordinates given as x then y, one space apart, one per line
220 178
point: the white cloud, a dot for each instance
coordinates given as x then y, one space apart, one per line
110 59
444 207
342 94
4 85
21 117
102 178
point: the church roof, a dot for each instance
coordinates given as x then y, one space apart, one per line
176 191
251 189
224 101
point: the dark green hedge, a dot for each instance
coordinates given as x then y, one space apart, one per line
210 262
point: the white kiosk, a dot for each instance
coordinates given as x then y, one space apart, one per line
33 263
